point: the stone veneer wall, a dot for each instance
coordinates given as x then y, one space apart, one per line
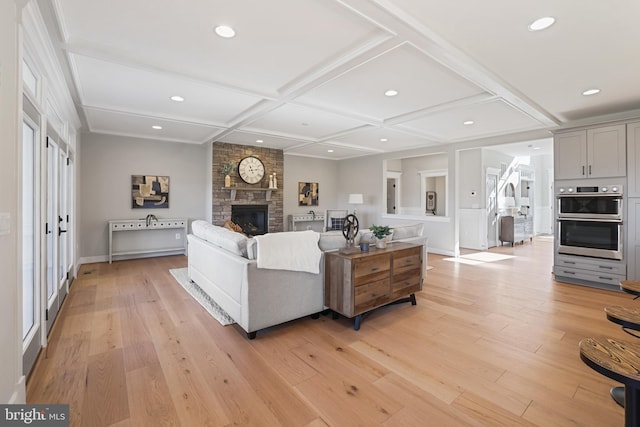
273 162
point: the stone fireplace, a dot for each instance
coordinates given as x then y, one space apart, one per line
253 219
246 195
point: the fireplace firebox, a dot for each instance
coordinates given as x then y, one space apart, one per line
253 219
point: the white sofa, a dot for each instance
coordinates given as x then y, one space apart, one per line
222 263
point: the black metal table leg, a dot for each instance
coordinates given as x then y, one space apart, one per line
356 323
617 393
631 409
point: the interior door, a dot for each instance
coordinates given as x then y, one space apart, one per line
492 209
70 196
62 226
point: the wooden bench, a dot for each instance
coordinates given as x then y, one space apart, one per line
628 318
620 361
631 286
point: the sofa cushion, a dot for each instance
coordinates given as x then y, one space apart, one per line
407 231
367 236
332 240
252 248
231 241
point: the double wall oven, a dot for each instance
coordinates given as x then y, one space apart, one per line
590 221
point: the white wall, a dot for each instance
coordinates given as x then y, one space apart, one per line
11 378
365 175
105 184
543 194
306 169
411 186
471 179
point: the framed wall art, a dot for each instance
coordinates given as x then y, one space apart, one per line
307 194
149 192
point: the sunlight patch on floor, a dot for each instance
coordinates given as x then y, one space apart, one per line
479 258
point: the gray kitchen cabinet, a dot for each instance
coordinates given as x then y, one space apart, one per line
591 153
633 159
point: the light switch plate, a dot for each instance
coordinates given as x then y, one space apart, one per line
5 223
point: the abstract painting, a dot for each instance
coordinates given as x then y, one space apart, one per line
149 192
307 194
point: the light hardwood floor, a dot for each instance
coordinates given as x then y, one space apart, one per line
493 344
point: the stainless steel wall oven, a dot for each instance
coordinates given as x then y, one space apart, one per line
590 221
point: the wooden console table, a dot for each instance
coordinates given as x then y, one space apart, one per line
357 282
141 225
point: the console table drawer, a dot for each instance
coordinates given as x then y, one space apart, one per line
406 279
371 295
409 259
372 265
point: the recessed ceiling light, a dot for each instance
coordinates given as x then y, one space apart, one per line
391 92
329 151
156 127
591 92
542 23
536 148
383 139
259 141
177 98
468 122
225 31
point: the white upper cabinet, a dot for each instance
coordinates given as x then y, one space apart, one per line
591 153
633 160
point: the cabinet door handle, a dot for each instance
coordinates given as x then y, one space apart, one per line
605 278
589 169
569 272
582 169
606 267
570 262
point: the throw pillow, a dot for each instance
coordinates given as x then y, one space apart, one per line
230 225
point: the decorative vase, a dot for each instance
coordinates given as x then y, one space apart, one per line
381 243
227 181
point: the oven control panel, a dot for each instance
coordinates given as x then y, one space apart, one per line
591 190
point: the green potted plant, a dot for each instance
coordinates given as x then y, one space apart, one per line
380 232
227 169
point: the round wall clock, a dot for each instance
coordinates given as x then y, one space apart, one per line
251 170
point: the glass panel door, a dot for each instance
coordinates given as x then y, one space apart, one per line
51 229
32 292
29 284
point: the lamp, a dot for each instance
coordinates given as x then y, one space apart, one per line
355 199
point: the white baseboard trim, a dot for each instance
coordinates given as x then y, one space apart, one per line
19 395
92 259
105 258
441 251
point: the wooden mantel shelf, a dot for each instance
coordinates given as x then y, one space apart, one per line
234 191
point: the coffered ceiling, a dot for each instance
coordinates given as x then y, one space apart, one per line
310 76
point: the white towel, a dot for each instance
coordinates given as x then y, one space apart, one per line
291 250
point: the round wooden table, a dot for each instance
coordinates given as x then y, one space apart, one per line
631 286
620 361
